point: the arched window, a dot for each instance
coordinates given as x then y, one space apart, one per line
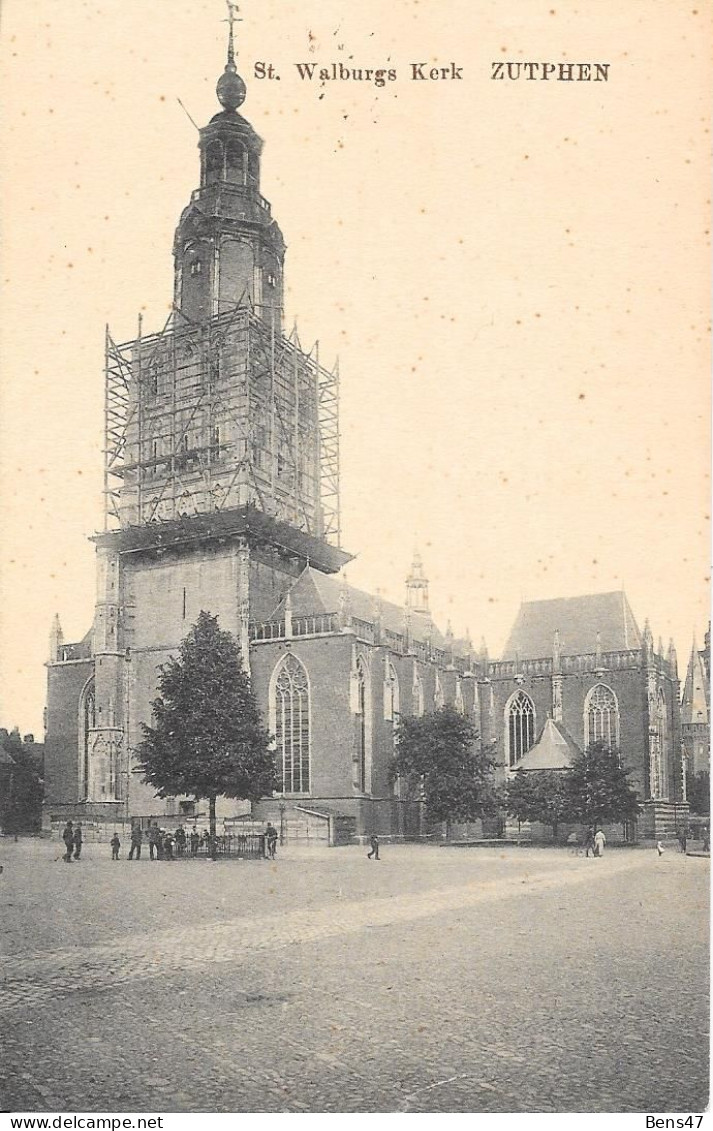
601 717
291 706
363 731
235 163
391 694
213 163
87 710
657 744
519 726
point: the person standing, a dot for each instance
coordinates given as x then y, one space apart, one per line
180 840
78 841
154 841
195 842
271 837
588 843
599 842
68 838
115 846
136 838
168 846
374 842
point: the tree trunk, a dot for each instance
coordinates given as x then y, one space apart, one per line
211 818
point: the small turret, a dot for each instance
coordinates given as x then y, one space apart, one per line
56 638
672 658
647 644
417 588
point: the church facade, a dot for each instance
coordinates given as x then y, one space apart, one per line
222 494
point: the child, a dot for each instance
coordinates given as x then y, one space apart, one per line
115 846
660 848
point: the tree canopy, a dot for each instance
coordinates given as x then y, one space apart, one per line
439 754
21 785
698 792
540 795
207 737
599 787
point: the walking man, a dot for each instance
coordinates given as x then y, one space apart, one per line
78 841
68 838
136 838
374 842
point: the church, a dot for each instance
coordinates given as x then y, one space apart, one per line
221 483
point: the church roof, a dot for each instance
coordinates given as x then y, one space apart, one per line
317 592
695 702
578 620
553 750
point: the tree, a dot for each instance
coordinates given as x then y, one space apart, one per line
539 795
207 736
698 792
21 785
439 754
599 787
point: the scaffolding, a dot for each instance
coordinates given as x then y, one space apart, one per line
208 416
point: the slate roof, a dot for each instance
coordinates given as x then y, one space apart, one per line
578 619
553 750
316 592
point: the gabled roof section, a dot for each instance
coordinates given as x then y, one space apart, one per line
316 592
553 750
5 758
578 620
695 702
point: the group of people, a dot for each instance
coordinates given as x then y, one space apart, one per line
594 842
73 839
163 844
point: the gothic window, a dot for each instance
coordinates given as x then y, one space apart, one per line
519 726
362 735
601 717
88 717
291 705
391 694
196 267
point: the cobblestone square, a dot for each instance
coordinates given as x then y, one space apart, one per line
436 979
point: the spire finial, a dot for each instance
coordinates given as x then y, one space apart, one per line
231 88
232 19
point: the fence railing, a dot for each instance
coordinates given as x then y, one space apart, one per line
242 846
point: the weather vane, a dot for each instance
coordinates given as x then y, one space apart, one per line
232 19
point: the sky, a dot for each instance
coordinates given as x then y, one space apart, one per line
514 275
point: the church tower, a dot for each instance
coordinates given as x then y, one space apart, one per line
227 248
221 471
